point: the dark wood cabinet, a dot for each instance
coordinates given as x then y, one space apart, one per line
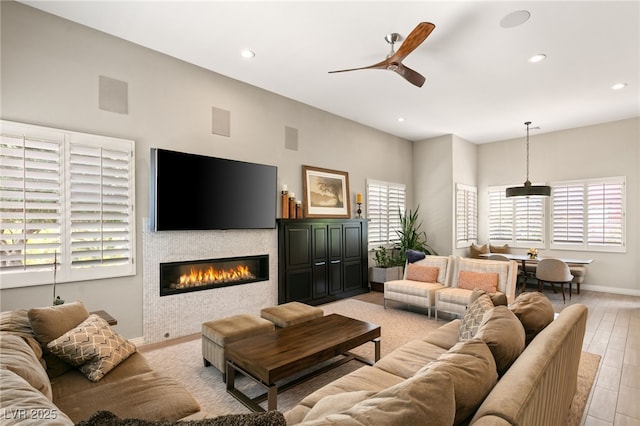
320 260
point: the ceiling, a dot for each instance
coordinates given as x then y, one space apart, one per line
479 83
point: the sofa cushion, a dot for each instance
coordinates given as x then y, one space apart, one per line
331 404
535 312
471 366
504 335
94 346
475 251
446 336
473 316
23 400
51 322
16 355
151 395
406 360
499 249
487 281
426 396
17 322
427 274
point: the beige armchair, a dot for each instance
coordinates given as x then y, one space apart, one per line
467 274
416 290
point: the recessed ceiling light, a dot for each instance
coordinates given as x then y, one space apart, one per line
537 58
400 119
248 54
514 19
619 86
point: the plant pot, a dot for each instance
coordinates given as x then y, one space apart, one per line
378 276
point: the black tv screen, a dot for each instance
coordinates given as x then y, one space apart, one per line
196 192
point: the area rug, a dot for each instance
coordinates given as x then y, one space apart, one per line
183 361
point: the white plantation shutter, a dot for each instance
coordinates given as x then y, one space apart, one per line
30 200
500 216
466 215
66 196
384 201
100 206
567 214
589 214
517 221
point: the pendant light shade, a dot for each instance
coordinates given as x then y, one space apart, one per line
527 189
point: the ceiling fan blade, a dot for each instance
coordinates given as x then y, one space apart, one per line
410 75
379 65
413 40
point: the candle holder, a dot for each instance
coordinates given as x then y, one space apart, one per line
359 211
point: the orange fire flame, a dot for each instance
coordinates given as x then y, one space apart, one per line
199 277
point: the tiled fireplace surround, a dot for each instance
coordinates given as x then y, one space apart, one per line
179 315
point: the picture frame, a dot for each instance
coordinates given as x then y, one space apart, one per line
326 193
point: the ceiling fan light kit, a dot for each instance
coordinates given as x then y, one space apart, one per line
393 61
528 190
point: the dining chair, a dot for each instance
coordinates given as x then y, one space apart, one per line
554 271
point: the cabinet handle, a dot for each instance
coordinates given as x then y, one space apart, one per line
320 263
335 261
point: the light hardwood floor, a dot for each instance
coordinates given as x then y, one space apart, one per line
613 332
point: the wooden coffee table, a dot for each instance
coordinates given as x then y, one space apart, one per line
284 352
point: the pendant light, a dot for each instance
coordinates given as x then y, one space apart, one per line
527 189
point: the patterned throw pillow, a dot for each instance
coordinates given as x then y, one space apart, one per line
473 317
93 346
487 281
427 274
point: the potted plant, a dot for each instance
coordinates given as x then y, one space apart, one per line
388 267
411 237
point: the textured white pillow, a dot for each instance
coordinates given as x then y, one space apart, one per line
93 346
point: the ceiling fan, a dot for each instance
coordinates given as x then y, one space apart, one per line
394 59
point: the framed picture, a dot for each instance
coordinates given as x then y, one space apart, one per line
326 192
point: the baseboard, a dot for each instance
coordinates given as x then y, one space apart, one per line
613 290
138 341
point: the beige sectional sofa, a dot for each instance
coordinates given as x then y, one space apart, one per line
489 378
445 292
37 387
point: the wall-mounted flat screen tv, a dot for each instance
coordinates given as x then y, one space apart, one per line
197 192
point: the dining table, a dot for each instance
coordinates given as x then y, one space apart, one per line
524 258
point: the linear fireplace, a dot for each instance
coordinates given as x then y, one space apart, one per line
196 275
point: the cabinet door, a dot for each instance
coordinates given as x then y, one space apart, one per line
298 263
320 261
353 277
335 259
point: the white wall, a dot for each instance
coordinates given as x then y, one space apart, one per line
50 70
604 150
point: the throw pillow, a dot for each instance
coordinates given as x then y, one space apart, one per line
500 249
487 281
51 322
427 274
535 312
428 396
471 366
414 255
94 346
504 335
475 250
473 316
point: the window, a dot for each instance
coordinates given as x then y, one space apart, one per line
517 221
589 215
466 215
66 210
384 202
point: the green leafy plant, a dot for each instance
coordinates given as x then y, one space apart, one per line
387 258
411 237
